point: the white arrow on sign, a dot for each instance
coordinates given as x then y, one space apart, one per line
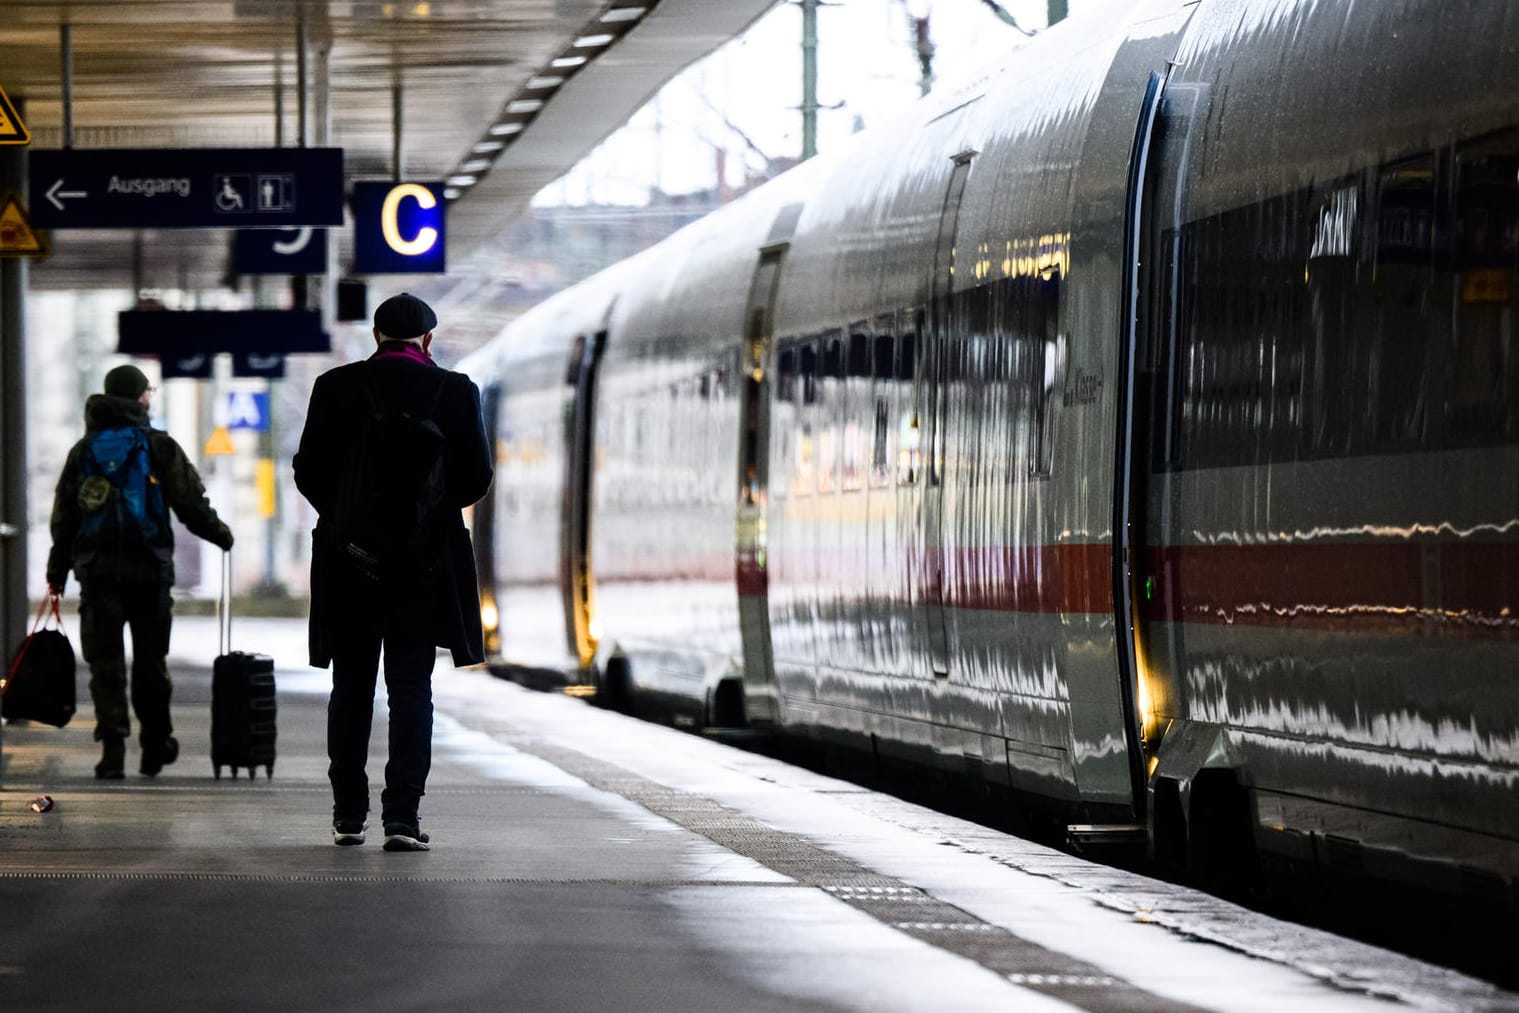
296 244
53 193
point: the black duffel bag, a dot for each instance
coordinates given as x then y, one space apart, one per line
39 685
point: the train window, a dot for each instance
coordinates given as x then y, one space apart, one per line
880 451
885 351
859 364
907 358
883 368
1408 298
833 358
1247 341
801 475
1049 372
786 372
909 423
1480 382
857 401
807 367
833 407
909 448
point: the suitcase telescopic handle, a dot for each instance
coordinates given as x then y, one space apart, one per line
224 605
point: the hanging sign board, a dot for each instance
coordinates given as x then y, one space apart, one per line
280 251
167 188
192 332
248 410
269 366
399 228
195 366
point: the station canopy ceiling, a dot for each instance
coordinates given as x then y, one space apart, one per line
511 92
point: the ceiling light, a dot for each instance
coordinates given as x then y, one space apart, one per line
506 129
449 193
567 61
546 81
592 41
461 181
524 105
486 147
475 165
619 14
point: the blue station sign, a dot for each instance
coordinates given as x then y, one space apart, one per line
280 251
182 333
248 410
167 188
399 228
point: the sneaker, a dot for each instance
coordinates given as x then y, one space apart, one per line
346 833
405 837
154 760
113 760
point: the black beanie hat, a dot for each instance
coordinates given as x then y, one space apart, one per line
126 381
404 316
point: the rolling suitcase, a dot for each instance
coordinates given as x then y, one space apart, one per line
243 709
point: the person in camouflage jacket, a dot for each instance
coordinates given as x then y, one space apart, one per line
127 584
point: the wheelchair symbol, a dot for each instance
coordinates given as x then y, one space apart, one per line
229 193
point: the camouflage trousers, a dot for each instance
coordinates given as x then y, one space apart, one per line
106 606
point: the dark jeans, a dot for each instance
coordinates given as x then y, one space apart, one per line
106 604
350 713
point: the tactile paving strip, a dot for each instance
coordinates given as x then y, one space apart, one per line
363 877
888 900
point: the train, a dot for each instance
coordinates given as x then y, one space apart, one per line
1130 429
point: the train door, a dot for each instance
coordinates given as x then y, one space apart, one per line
575 581
761 703
485 529
928 578
1136 431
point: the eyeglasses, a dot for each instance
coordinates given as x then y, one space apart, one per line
151 391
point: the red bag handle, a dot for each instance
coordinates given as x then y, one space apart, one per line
50 601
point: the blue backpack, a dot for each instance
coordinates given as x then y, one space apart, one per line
120 502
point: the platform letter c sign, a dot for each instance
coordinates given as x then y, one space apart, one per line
399 227
390 226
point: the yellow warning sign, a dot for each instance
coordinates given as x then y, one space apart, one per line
16 236
220 443
12 130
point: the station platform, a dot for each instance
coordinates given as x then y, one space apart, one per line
583 860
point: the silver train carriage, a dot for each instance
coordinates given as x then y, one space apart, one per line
1133 429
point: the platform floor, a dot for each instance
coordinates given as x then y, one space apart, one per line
587 861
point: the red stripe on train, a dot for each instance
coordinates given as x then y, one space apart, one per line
1466 588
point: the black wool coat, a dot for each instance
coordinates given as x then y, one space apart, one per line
445 607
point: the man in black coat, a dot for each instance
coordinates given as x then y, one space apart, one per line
411 609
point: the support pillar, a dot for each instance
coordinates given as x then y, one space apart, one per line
809 78
14 521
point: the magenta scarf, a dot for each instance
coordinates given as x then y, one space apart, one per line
402 350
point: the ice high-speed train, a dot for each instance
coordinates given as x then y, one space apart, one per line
1135 429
